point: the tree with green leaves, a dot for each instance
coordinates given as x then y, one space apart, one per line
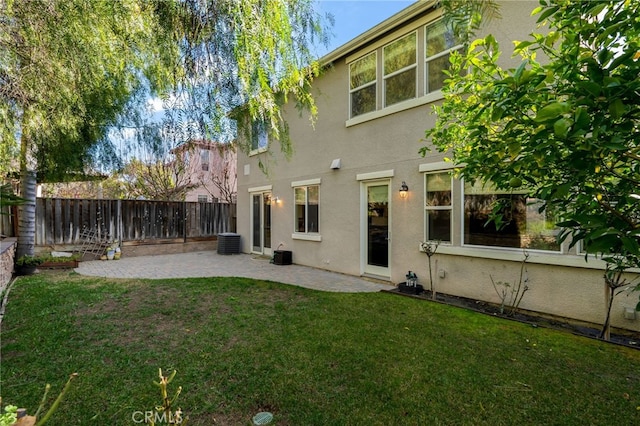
565 124
8 197
244 58
70 70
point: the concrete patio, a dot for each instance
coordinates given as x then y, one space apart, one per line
212 264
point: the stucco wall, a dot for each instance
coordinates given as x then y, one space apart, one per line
572 292
560 284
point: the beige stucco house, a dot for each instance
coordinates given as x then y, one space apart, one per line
337 202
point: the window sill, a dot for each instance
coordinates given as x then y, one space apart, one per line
402 106
258 151
516 255
306 237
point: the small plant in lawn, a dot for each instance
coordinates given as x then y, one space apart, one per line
15 416
165 412
10 415
429 248
511 295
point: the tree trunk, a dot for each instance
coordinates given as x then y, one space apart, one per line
606 327
27 214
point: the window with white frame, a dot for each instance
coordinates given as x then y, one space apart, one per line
439 43
400 70
522 223
438 206
259 136
362 85
203 199
307 205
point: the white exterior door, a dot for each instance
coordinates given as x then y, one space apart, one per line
376 228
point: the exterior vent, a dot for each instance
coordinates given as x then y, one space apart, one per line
228 243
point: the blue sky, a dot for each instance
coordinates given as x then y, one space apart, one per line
353 17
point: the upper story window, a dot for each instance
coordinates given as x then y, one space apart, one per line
362 85
409 66
259 136
439 43
204 159
307 199
523 225
400 70
438 206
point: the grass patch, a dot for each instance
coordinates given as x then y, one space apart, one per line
242 346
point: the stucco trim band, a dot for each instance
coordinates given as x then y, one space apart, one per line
375 175
306 182
307 237
260 188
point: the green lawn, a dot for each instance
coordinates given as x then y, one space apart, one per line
242 346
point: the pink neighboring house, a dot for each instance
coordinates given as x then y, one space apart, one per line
212 167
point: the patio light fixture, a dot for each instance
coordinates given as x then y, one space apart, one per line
404 189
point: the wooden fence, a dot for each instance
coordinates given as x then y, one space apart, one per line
67 221
8 222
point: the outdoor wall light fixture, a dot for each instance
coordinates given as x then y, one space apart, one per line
404 189
277 200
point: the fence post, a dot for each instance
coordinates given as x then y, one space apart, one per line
233 217
119 224
184 221
14 220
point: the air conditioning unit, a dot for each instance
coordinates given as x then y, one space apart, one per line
228 243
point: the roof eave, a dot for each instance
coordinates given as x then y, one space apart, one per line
394 21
